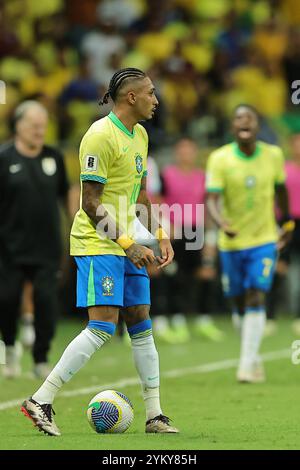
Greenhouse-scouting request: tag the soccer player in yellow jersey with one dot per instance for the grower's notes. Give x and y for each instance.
(247, 175)
(111, 265)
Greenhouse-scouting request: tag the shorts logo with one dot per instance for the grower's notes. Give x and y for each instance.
(91, 163)
(107, 285)
(139, 163)
(250, 182)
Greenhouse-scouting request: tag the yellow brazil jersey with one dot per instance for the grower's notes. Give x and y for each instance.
(115, 157)
(247, 185)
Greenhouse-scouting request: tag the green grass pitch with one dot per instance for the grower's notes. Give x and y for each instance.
(198, 391)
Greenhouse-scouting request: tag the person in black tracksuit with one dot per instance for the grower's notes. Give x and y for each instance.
(33, 181)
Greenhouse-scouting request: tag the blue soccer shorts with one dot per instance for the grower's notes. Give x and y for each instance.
(245, 269)
(111, 280)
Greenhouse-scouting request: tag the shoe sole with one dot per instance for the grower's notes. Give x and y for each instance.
(173, 431)
(27, 414)
(162, 432)
(251, 381)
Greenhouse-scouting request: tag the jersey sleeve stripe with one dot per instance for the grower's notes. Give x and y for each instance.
(99, 179)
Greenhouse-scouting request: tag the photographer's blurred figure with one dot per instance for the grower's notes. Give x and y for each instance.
(33, 181)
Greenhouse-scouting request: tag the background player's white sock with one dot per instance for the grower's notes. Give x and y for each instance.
(237, 320)
(74, 357)
(252, 334)
(147, 364)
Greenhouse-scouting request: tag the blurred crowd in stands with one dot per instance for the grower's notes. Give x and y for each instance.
(204, 56)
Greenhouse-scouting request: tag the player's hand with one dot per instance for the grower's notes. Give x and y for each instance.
(140, 255)
(167, 253)
(225, 226)
(285, 238)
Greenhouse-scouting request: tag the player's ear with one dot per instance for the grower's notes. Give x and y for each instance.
(131, 97)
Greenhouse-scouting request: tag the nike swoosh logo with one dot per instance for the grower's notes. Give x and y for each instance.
(153, 378)
(125, 149)
(15, 168)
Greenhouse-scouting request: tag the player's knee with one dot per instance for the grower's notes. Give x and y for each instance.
(104, 314)
(136, 314)
(255, 298)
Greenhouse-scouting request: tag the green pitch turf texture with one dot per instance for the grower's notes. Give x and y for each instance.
(211, 410)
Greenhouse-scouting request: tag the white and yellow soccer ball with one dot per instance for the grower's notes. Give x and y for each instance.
(110, 412)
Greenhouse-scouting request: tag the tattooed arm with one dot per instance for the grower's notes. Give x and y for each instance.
(148, 219)
(91, 197)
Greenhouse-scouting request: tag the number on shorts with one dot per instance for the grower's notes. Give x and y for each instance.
(268, 263)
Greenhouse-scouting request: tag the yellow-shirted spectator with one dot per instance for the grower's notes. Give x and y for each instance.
(272, 95)
(179, 94)
(249, 77)
(291, 11)
(48, 84)
(156, 45)
(234, 94)
(13, 69)
(216, 9)
(197, 52)
(177, 30)
(271, 41)
(49, 76)
(44, 8)
(137, 59)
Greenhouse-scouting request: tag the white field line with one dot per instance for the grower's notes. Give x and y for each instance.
(127, 382)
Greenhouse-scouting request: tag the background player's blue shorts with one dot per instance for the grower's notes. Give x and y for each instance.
(111, 280)
(245, 269)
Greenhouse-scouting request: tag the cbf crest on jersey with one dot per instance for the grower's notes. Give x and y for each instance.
(138, 163)
(250, 181)
(107, 285)
(49, 166)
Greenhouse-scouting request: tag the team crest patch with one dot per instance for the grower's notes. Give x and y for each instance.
(139, 163)
(250, 182)
(49, 166)
(107, 285)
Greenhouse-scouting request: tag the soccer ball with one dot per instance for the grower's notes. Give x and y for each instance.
(110, 412)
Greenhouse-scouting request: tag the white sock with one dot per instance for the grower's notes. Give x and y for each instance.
(74, 357)
(147, 364)
(237, 321)
(252, 334)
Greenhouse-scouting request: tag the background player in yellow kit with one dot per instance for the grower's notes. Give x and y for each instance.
(111, 266)
(246, 175)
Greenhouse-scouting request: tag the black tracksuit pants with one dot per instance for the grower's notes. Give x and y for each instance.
(44, 279)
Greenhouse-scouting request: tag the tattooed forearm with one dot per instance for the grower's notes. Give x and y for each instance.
(144, 210)
(91, 204)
